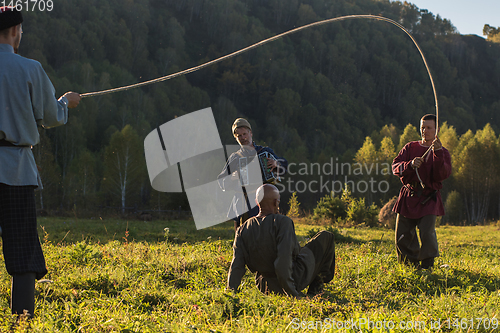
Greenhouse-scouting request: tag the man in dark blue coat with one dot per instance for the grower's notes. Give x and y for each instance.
(242, 206)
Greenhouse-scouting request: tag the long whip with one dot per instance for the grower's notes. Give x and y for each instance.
(268, 40)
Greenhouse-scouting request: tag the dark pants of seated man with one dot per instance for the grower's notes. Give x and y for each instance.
(322, 246)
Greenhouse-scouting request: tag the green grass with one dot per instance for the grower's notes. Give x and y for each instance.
(119, 276)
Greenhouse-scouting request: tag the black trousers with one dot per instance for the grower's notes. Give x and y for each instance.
(407, 245)
(21, 246)
(322, 246)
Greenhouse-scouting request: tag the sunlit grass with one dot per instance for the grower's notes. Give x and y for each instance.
(136, 276)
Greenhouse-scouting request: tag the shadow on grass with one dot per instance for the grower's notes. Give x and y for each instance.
(396, 292)
(440, 281)
(70, 230)
(339, 237)
(476, 246)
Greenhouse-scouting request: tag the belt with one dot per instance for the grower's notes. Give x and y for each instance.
(5, 143)
(414, 188)
(431, 196)
(415, 185)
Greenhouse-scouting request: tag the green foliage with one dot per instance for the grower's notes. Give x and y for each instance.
(83, 253)
(49, 172)
(358, 213)
(330, 207)
(454, 208)
(345, 209)
(387, 150)
(294, 204)
(448, 136)
(410, 133)
(491, 33)
(367, 153)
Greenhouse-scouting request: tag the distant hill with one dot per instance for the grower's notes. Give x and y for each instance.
(319, 92)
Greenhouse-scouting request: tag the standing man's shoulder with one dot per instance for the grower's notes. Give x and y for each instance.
(19, 64)
(261, 149)
(33, 66)
(408, 150)
(411, 144)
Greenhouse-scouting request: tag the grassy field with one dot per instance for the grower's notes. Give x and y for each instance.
(134, 276)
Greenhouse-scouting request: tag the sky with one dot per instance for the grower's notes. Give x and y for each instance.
(468, 16)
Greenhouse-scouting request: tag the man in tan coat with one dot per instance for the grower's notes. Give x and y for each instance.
(268, 246)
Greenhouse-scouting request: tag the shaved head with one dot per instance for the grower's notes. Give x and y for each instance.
(268, 199)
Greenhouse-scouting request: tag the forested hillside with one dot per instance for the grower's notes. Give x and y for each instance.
(312, 96)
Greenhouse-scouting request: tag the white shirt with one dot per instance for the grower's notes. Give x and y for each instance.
(27, 99)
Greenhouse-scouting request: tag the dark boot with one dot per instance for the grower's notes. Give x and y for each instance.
(408, 262)
(316, 287)
(23, 293)
(427, 263)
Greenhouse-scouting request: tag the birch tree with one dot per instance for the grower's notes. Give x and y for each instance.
(81, 180)
(124, 167)
(475, 160)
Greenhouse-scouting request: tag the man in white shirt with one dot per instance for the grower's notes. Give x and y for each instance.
(27, 100)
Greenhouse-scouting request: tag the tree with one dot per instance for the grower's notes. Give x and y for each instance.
(50, 173)
(390, 131)
(410, 133)
(294, 205)
(81, 182)
(306, 15)
(448, 136)
(283, 10)
(124, 167)
(476, 172)
(330, 208)
(366, 161)
(454, 208)
(492, 33)
(367, 153)
(69, 140)
(387, 151)
(286, 105)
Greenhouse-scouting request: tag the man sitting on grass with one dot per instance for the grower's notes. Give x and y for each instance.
(267, 244)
